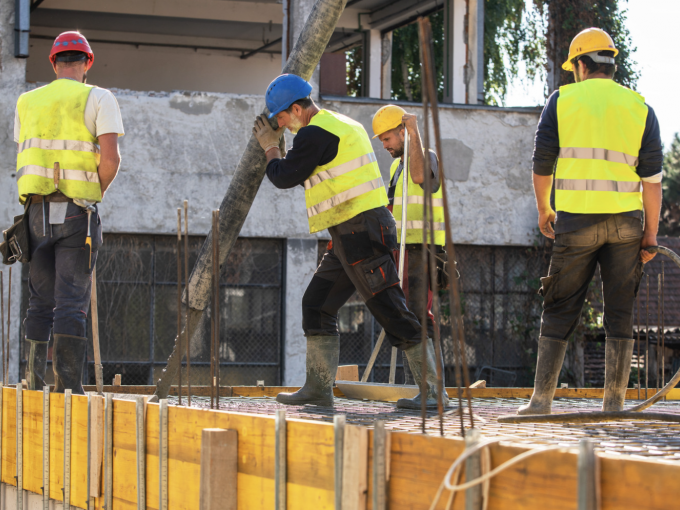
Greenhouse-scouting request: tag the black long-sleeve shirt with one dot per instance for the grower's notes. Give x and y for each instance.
(312, 146)
(547, 149)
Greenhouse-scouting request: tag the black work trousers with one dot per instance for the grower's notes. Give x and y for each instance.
(360, 259)
(615, 244)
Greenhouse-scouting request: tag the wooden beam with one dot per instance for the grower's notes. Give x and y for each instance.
(219, 465)
(355, 468)
(347, 373)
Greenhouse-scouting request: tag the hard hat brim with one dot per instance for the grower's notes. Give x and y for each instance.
(568, 66)
(383, 132)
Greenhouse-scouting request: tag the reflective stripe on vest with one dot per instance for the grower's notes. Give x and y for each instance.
(348, 185)
(600, 126)
(53, 131)
(414, 210)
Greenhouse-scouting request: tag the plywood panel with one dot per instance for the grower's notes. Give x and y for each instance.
(33, 432)
(9, 438)
(57, 446)
(124, 455)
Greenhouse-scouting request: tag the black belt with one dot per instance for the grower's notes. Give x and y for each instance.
(54, 197)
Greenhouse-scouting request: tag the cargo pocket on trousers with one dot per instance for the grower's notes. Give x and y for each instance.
(547, 289)
(380, 274)
(357, 246)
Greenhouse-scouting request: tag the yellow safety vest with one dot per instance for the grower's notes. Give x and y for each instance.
(414, 210)
(348, 185)
(600, 125)
(53, 130)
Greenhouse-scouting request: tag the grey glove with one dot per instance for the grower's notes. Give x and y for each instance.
(264, 133)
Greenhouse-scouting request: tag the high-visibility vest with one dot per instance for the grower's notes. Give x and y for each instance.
(348, 185)
(414, 210)
(600, 125)
(53, 130)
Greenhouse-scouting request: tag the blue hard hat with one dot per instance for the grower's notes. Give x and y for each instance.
(284, 91)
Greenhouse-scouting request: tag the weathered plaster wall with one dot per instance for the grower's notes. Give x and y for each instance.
(12, 83)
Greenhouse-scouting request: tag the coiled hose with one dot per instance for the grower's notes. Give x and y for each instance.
(632, 414)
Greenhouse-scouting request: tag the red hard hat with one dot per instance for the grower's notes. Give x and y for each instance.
(71, 41)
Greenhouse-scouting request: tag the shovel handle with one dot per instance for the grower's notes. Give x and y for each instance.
(98, 369)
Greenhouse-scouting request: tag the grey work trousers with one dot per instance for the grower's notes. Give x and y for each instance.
(360, 259)
(615, 244)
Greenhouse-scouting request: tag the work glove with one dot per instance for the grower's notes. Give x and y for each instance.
(264, 133)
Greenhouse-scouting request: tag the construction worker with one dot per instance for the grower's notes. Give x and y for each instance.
(389, 124)
(603, 143)
(333, 159)
(67, 142)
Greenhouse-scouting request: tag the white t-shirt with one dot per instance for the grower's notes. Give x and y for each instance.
(102, 115)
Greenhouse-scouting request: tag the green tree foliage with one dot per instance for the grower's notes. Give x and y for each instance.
(670, 212)
(355, 62)
(406, 78)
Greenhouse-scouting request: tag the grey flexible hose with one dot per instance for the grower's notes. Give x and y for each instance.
(632, 414)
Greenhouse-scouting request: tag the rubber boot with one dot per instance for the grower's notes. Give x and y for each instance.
(323, 353)
(68, 359)
(37, 365)
(408, 376)
(415, 361)
(617, 358)
(551, 353)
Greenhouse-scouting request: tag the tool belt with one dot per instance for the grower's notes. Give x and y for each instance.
(16, 240)
(54, 197)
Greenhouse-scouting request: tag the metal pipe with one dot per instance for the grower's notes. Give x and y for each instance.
(179, 298)
(454, 295)
(186, 291)
(261, 48)
(647, 343)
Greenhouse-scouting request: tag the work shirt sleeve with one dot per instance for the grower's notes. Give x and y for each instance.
(17, 125)
(650, 159)
(547, 139)
(434, 167)
(102, 113)
(312, 147)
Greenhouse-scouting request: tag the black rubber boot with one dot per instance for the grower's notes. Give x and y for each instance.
(617, 358)
(415, 361)
(408, 376)
(323, 353)
(37, 365)
(68, 359)
(551, 353)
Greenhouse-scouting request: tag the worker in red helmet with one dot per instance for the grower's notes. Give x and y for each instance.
(67, 144)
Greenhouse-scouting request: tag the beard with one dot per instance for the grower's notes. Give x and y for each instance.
(295, 124)
(397, 152)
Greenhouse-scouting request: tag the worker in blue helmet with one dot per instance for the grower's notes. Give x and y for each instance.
(332, 158)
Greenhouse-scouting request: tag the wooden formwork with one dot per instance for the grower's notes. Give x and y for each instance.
(416, 463)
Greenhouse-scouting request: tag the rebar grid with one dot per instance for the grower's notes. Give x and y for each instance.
(649, 440)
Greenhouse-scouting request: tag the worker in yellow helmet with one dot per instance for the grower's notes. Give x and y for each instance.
(67, 142)
(332, 158)
(389, 125)
(602, 143)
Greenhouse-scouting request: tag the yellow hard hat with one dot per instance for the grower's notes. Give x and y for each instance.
(590, 40)
(388, 117)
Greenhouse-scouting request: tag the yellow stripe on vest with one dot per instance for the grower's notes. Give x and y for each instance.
(418, 225)
(597, 185)
(65, 174)
(419, 200)
(345, 196)
(58, 145)
(340, 170)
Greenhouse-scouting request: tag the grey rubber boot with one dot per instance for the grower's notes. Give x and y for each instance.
(551, 353)
(323, 353)
(37, 365)
(415, 361)
(408, 376)
(68, 359)
(617, 358)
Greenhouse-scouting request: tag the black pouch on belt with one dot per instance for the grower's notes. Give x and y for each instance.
(16, 241)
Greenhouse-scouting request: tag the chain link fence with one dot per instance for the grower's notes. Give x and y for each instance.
(501, 310)
(137, 293)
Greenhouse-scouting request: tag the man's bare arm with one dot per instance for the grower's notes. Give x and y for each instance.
(109, 161)
(546, 215)
(415, 149)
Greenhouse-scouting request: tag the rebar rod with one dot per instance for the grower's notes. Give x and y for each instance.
(663, 325)
(179, 298)
(9, 318)
(2, 322)
(186, 291)
(423, 325)
(638, 346)
(454, 295)
(658, 330)
(647, 343)
(212, 316)
(216, 311)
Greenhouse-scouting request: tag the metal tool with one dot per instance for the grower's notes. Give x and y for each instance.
(88, 239)
(402, 254)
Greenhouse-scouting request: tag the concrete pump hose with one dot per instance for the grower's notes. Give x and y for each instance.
(632, 414)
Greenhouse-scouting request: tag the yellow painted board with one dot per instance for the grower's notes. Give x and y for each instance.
(33, 433)
(56, 446)
(124, 455)
(79, 451)
(9, 438)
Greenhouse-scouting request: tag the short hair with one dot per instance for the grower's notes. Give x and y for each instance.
(596, 67)
(304, 103)
(70, 58)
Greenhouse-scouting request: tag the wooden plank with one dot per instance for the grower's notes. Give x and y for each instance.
(347, 373)
(9, 438)
(125, 455)
(355, 468)
(57, 446)
(96, 444)
(219, 463)
(33, 432)
(117, 380)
